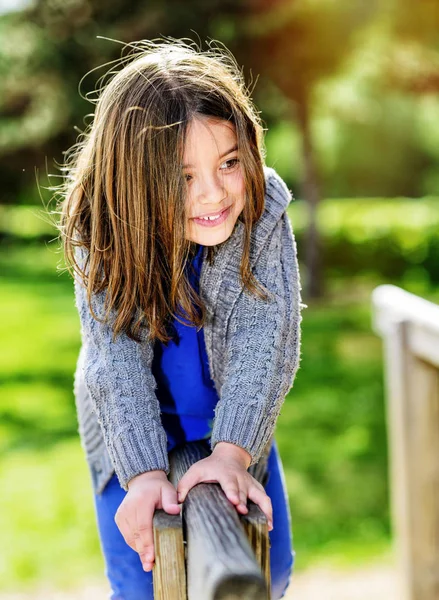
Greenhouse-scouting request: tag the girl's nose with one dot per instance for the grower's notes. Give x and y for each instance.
(211, 191)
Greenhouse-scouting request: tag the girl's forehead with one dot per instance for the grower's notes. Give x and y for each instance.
(213, 125)
(206, 132)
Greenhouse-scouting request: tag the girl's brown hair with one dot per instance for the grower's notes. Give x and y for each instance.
(123, 194)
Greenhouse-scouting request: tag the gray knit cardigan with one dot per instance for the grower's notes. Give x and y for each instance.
(253, 349)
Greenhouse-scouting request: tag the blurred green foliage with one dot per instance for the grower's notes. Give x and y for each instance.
(349, 96)
(331, 431)
(357, 81)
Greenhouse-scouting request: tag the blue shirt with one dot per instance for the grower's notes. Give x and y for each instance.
(185, 389)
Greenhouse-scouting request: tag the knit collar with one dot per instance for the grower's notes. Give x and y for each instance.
(277, 198)
(220, 283)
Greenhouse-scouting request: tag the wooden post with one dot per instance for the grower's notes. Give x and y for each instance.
(409, 326)
(227, 555)
(169, 572)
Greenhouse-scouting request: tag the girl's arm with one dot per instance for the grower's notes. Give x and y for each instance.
(121, 386)
(263, 349)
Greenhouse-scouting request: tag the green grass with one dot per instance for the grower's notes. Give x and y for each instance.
(46, 518)
(46, 504)
(332, 436)
(331, 431)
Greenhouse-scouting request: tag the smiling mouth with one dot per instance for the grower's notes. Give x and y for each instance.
(213, 220)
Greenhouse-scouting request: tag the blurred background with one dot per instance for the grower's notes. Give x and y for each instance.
(349, 93)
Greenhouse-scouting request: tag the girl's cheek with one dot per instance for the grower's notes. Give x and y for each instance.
(238, 182)
(239, 191)
(236, 188)
(190, 207)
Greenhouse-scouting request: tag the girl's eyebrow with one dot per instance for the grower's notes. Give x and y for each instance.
(235, 147)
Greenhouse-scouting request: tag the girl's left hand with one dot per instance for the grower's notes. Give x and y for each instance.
(226, 466)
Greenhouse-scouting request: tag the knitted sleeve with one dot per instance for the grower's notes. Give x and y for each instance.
(122, 387)
(263, 349)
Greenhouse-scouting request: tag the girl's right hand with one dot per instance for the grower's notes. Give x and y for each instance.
(146, 492)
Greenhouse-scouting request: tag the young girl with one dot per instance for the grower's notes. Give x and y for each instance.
(188, 291)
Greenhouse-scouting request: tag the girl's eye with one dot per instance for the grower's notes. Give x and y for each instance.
(235, 161)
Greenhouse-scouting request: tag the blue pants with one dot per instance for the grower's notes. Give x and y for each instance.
(123, 567)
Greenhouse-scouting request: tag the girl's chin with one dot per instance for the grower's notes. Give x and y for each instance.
(209, 238)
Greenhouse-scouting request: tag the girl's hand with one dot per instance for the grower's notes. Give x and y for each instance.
(134, 517)
(228, 465)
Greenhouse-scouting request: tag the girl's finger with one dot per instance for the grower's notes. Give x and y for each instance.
(143, 534)
(243, 502)
(147, 562)
(264, 503)
(187, 482)
(258, 485)
(231, 490)
(170, 501)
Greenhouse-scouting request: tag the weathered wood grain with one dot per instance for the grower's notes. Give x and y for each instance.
(169, 572)
(256, 528)
(221, 563)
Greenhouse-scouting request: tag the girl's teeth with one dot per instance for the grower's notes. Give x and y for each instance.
(210, 218)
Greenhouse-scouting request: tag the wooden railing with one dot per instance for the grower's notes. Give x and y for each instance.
(210, 551)
(409, 326)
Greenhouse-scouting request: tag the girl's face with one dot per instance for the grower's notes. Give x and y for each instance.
(215, 182)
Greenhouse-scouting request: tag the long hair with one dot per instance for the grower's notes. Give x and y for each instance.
(123, 195)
